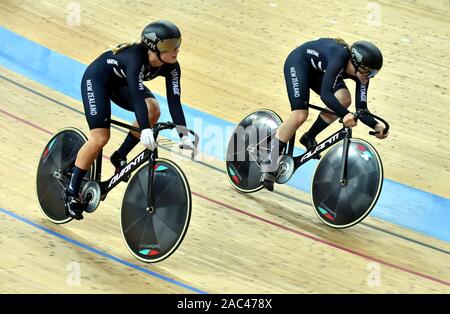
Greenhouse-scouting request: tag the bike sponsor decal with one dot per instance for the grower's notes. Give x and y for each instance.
(234, 176)
(49, 148)
(320, 147)
(149, 249)
(160, 168)
(126, 169)
(328, 214)
(149, 252)
(366, 156)
(361, 148)
(363, 152)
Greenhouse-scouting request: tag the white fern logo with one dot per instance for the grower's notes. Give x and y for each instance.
(318, 66)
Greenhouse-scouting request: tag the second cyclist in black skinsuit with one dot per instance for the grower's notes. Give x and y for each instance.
(322, 65)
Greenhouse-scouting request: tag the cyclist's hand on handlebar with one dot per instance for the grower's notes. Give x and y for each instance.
(349, 120)
(379, 129)
(147, 139)
(186, 143)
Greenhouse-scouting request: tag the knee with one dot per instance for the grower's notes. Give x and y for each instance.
(298, 117)
(343, 95)
(153, 109)
(154, 113)
(100, 140)
(346, 102)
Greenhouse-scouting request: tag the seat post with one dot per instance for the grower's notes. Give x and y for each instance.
(291, 144)
(98, 168)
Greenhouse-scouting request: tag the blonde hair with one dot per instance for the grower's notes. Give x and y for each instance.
(342, 42)
(120, 47)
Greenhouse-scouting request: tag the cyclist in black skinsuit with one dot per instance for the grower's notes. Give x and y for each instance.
(118, 75)
(322, 65)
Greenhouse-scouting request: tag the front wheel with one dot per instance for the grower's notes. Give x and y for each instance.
(342, 206)
(154, 236)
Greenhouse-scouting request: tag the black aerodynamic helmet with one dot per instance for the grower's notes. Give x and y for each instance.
(161, 36)
(366, 57)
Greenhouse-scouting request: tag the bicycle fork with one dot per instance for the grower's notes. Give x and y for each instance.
(344, 179)
(151, 172)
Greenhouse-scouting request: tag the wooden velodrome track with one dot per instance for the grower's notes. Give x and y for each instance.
(232, 57)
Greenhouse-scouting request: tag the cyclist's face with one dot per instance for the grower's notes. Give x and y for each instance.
(366, 73)
(363, 78)
(170, 57)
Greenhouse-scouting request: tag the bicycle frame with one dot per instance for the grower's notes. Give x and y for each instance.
(144, 156)
(344, 134)
(134, 164)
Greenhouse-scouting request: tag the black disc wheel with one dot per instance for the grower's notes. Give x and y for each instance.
(250, 144)
(341, 205)
(153, 235)
(54, 167)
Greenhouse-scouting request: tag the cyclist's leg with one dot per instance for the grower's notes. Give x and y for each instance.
(342, 94)
(284, 133)
(154, 113)
(97, 107)
(297, 84)
(122, 97)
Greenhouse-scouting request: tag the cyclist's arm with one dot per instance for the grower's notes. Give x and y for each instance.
(334, 70)
(173, 92)
(361, 103)
(135, 79)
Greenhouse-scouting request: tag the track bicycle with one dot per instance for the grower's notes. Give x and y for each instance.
(156, 206)
(347, 180)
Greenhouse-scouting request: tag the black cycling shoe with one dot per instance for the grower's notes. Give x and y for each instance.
(73, 206)
(268, 175)
(268, 180)
(309, 142)
(119, 163)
